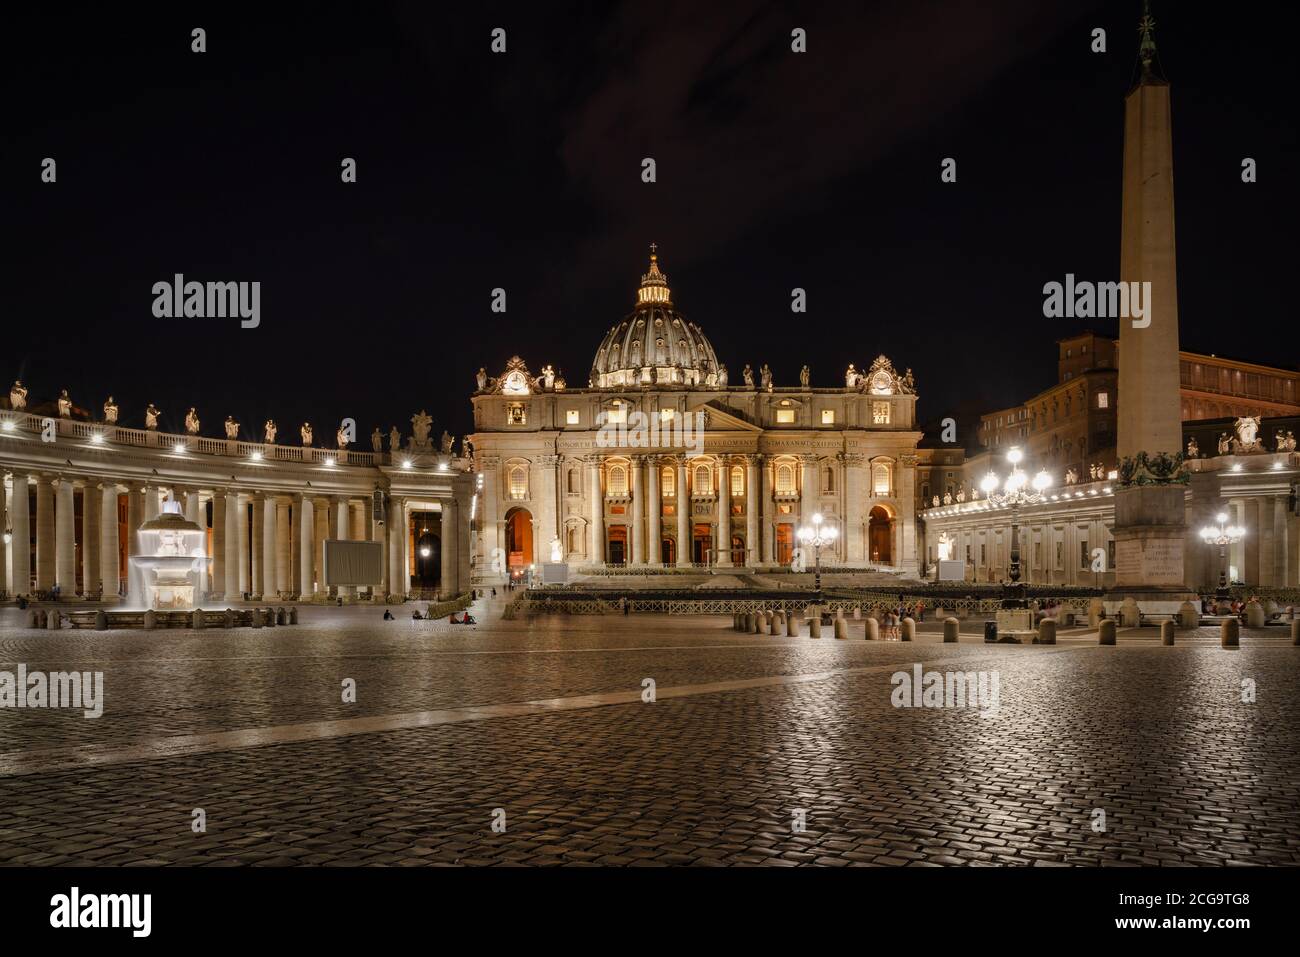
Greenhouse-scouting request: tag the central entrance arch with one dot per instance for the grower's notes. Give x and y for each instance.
(519, 540)
(880, 536)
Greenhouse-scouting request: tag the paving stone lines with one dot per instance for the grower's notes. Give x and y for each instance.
(1156, 737)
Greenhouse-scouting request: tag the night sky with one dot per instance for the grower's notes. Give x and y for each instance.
(522, 171)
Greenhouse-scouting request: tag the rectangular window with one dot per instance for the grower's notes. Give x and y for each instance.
(737, 481)
(983, 554)
(828, 416)
(516, 414)
(617, 414)
(880, 413)
(1085, 559)
(784, 416)
(1103, 400)
(1060, 556)
(571, 417)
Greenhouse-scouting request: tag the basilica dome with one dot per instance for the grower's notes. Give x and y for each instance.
(655, 344)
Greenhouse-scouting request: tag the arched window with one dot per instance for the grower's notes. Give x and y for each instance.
(617, 480)
(703, 480)
(880, 479)
(668, 482)
(785, 480)
(575, 482)
(518, 481)
(737, 480)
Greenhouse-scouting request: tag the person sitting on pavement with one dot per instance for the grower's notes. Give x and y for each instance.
(388, 615)
(416, 616)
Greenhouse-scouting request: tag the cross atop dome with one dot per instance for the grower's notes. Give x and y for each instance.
(654, 284)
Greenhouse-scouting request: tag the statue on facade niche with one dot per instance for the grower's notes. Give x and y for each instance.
(421, 422)
(269, 428)
(851, 377)
(805, 376)
(1193, 450)
(394, 440)
(447, 440)
(110, 411)
(466, 448)
(65, 404)
(341, 437)
(961, 494)
(18, 395)
(232, 428)
(151, 414)
(377, 440)
(765, 377)
(945, 547)
(1225, 444)
(305, 432)
(1285, 441)
(548, 377)
(192, 421)
(1071, 476)
(1247, 428)
(908, 384)
(722, 375)
(482, 379)
(947, 498)
(748, 375)
(936, 501)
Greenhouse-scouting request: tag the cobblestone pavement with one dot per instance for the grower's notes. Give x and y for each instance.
(747, 732)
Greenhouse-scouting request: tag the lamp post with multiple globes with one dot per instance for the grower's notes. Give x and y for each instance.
(1222, 535)
(818, 535)
(1017, 491)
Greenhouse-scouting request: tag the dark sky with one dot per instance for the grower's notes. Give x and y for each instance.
(522, 171)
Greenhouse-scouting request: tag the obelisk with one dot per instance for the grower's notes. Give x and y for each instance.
(1150, 516)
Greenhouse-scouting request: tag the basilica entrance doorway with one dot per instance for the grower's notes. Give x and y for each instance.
(618, 544)
(668, 552)
(880, 536)
(737, 551)
(784, 543)
(702, 545)
(519, 539)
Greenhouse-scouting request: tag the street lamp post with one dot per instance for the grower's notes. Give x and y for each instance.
(818, 535)
(1222, 535)
(1017, 491)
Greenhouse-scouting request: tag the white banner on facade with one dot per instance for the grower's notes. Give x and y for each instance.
(353, 563)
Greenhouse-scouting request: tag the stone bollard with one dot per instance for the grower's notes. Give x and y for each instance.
(1095, 610)
(1130, 616)
(792, 628)
(36, 619)
(1106, 632)
(228, 619)
(280, 617)
(197, 620)
(1047, 631)
(255, 616)
(1230, 633)
(873, 629)
(841, 627)
(772, 627)
(1255, 616)
(52, 620)
(1295, 631)
(908, 631)
(815, 626)
(735, 621)
(756, 623)
(293, 615)
(270, 618)
(150, 619)
(951, 627)
(857, 612)
(101, 620)
(1166, 633)
(1189, 616)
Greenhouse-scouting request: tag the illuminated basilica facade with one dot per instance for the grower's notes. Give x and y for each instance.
(662, 461)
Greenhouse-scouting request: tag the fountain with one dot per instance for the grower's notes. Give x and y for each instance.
(170, 570)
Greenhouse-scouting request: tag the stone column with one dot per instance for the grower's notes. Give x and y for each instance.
(397, 585)
(284, 580)
(654, 513)
(766, 530)
(90, 499)
(45, 566)
(242, 527)
(447, 581)
(377, 531)
(269, 585)
(65, 545)
(723, 554)
(307, 537)
(151, 507)
(855, 519)
(808, 491)
(109, 547)
(753, 554)
(257, 501)
(910, 562)
(1267, 541)
(683, 513)
(597, 511)
(193, 507)
(1280, 545)
(638, 511)
(134, 518)
(21, 549)
(295, 543)
(218, 542)
(343, 527)
(5, 586)
(320, 532)
(233, 559)
(547, 524)
(1250, 511)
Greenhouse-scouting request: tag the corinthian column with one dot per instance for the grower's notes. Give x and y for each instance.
(89, 539)
(752, 544)
(109, 546)
(654, 505)
(233, 560)
(20, 521)
(638, 512)
(343, 528)
(597, 511)
(307, 530)
(45, 566)
(284, 579)
(683, 514)
(724, 516)
(65, 546)
(218, 541)
(397, 582)
(270, 553)
(4, 549)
